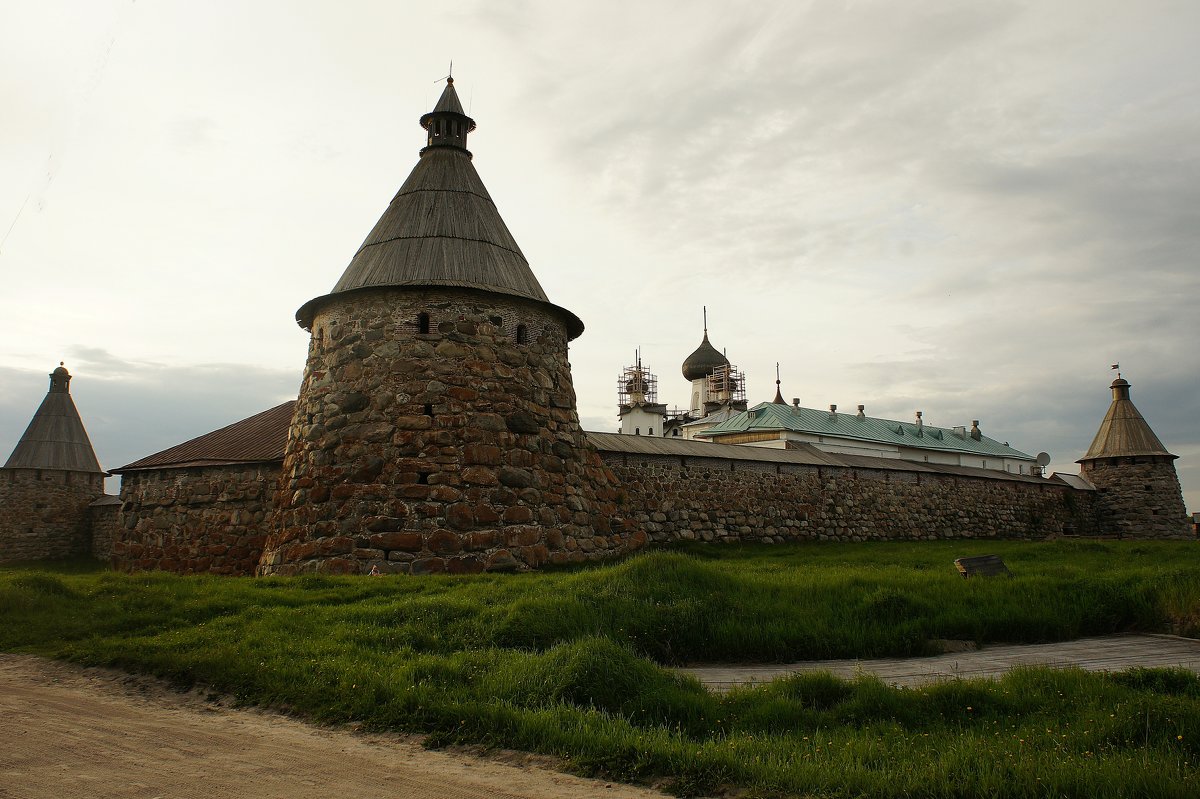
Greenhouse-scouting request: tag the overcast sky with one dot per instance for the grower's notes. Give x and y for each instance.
(970, 209)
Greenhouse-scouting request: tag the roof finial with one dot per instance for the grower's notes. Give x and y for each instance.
(705, 307)
(1117, 367)
(778, 394)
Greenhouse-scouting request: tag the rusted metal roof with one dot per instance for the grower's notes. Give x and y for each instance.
(55, 438)
(441, 229)
(257, 439)
(1124, 432)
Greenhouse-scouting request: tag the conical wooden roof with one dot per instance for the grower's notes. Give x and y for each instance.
(442, 228)
(1124, 432)
(55, 438)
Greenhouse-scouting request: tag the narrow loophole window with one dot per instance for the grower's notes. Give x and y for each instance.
(423, 478)
(428, 409)
(522, 334)
(423, 323)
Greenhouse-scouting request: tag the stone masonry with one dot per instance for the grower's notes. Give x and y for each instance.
(210, 519)
(457, 449)
(1140, 496)
(713, 499)
(44, 513)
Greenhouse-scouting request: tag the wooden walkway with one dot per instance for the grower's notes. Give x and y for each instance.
(1108, 653)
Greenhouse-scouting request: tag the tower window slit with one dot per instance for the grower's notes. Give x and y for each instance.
(522, 334)
(429, 409)
(423, 323)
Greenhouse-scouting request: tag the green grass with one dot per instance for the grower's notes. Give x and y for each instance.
(571, 663)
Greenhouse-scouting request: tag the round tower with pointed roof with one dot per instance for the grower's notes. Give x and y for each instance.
(1135, 475)
(436, 427)
(49, 481)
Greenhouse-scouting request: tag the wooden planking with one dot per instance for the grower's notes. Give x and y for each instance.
(55, 439)
(1124, 433)
(442, 229)
(981, 566)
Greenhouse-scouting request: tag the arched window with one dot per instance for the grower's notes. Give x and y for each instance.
(637, 431)
(522, 334)
(423, 323)
(649, 431)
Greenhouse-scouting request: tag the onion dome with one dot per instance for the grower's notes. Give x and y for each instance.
(442, 228)
(703, 361)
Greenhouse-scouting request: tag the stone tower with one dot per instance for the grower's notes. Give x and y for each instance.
(436, 427)
(49, 481)
(1139, 490)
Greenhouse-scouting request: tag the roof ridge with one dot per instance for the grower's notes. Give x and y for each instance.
(442, 236)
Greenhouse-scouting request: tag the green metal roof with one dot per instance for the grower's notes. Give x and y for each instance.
(768, 416)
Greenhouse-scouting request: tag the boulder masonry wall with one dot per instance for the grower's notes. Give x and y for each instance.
(715, 499)
(208, 519)
(436, 431)
(44, 513)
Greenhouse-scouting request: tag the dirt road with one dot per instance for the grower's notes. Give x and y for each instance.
(71, 732)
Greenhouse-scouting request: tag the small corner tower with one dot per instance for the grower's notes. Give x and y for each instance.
(436, 427)
(638, 407)
(49, 481)
(1140, 496)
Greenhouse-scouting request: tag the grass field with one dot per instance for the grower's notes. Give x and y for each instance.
(571, 663)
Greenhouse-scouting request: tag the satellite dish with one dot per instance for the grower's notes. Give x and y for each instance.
(1043, 458)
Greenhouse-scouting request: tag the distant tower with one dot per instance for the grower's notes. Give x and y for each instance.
(716, 383)
(436, 427)
(1139, 489)
(637, 402)
(48, 482)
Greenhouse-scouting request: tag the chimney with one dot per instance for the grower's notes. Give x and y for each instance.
(975, 434)
(920, 424)
(960, 431)
(862, 412)
(833, 413)
(796, 403)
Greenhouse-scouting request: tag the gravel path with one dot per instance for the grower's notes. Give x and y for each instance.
(1107, 653)
(70, 732)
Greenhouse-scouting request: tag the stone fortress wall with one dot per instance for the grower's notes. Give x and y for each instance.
(45, 514)
(168, 525)
(721, 499)
(204, 519)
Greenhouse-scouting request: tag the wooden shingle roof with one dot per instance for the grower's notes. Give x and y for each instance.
(1124, 433)
(257, 439)
(442, 229)
(55, 438)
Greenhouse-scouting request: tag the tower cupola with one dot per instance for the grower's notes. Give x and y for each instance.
(447, 125)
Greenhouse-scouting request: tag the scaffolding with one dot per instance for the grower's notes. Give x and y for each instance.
(726, 384)
(637, 386)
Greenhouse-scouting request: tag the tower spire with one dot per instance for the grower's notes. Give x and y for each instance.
(778, 394)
